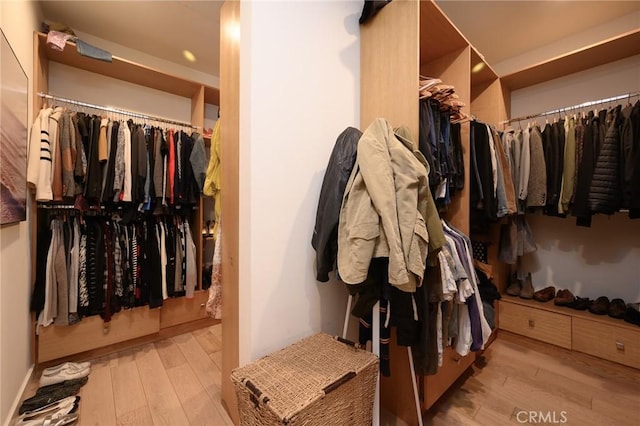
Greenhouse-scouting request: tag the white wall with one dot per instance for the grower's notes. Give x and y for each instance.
(18, 21)
(603, 260)
(299, 88)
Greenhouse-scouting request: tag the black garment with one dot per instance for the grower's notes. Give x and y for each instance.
(605, 195)
(370, 8)
(93, 186)
(483, 158)
(107, 190)
(457, 172)
(170, 249)
(43, 241)
(141, 175)
(152, 267)
(632, 139)
(585, 173)
(553, 138)
(427, 142)
(95, 267)
(325, 232)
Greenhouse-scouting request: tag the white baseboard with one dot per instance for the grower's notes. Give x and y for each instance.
(16, 402)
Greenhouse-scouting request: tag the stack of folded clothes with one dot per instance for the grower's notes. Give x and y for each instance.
(445, 94)
(55, 403)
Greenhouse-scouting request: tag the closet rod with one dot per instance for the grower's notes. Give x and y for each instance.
(117, 110)
(573, 107)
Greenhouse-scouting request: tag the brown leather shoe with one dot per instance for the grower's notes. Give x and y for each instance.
(617, 308)
(527, 288)
(600, 306)
(545, 294)
(563, 298)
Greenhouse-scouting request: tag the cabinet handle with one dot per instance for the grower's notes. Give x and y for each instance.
(202, 305)
(619, 345)
(532, 323)
(456, 360)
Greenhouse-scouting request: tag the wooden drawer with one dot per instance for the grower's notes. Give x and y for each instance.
(550, 327)
(453, 365)
(90, 333)
(613, 342)
(180, 310)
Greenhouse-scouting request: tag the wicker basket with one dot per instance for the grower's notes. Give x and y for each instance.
(320, 380)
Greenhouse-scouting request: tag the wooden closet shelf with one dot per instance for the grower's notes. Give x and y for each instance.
(612, 49)
(123, 69)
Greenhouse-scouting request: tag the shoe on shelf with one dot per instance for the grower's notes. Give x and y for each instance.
(515, 287)
(632, 316)
(527, 288)
(600, 306)
(545, 294)
(580, 303)
(617, 308)
(564, 298)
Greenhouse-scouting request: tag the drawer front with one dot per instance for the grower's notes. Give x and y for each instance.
(180, 309)
(453, 365)
(616, 344)
(59, 341)
(538, 324)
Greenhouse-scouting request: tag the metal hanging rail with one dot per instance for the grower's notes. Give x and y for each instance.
(116, 110)
(572, 108)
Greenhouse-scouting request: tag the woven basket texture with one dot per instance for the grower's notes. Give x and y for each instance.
(291, 385)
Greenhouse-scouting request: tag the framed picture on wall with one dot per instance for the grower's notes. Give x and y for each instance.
(13, 137)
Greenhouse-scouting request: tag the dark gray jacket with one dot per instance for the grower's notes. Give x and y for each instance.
(325, 233)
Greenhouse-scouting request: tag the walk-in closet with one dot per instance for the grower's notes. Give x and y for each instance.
(225, 198)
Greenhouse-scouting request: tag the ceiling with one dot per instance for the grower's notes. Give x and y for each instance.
(511, 28)
(165, 28)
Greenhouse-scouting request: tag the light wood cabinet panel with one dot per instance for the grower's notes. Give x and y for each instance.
(612, 342)
(180, 309)
(453, 365)
(550, 327)
(90, 333)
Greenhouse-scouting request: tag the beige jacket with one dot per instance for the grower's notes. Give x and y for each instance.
(381, 210)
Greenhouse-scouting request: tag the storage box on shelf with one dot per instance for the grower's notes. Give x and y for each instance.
(61, 341)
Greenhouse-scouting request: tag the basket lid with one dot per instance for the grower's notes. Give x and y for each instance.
(292, 378)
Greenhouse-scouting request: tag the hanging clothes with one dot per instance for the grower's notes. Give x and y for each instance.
(214, 301)
(212, 183)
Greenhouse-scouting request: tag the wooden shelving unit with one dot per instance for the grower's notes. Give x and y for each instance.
(430, 45)
(609, 50)
(56, 342)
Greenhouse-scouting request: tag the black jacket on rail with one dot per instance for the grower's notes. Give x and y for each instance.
(325, 232)
(605, 195)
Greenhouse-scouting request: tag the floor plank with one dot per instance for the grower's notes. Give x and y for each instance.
(127, 387)
(198, 407)
(206, 371)
(209, 342)
(162, 400)
(138, 417)
(97, 406)
(170, 354)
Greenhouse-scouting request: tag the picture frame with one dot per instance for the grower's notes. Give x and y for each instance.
(14, 95)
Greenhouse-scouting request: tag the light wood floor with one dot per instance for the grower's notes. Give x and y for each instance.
(176, 382)
(171, 382)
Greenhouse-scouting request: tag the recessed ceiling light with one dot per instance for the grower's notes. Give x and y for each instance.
(478, 67)
(188, 55)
